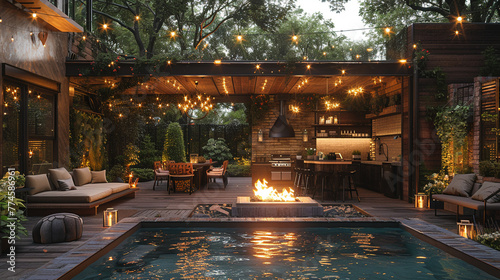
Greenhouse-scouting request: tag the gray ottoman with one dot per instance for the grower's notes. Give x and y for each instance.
(60, 227)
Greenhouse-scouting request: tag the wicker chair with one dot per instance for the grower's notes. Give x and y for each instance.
(161, 173)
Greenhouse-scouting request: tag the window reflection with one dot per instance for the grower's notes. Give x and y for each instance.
(10, 126)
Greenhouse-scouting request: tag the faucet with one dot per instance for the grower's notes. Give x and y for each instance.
(381, 150)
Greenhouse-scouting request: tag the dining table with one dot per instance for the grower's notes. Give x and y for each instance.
(201, 168)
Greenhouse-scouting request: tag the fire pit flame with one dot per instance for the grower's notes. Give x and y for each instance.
(264, 193)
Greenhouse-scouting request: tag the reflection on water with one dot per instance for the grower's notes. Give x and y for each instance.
(337, 253)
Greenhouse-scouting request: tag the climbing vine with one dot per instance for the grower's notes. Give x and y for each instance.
(87, 140)
(452, 127)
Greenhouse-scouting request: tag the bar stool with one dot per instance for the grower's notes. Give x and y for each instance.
(306, 176)
(349, 176)
(322, 177)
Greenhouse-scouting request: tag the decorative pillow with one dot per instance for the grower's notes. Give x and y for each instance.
(99, 177)
(58, 174)
(82, 176)
(37, 183)
(66, 185)
(461, 185)
(486, 190)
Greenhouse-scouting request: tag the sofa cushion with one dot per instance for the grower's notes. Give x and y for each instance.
(82, 176)
(461, 185)
(80, 195)
(114, 187)
(37, 183)
(66, 185)
(58, 174)
(486, 190)
(99, 177)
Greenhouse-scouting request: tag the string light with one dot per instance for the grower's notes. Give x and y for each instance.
(456, 32)
(239, 38)
(173, 34)
(137, 17)
(105, 26)
(460, 19)
(388, 30)
(355, 91)
(12, 39)
(34, 15)
(0, 20)
(295, 38)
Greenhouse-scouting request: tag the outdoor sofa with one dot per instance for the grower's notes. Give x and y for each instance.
(465, 191)
(80, 192)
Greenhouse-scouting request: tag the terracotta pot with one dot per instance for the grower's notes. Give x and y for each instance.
(311, 157)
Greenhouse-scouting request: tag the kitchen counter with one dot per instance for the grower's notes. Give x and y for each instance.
(327, 162)
(379, 162)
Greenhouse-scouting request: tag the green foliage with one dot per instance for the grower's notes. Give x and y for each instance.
(259, 106)
(148, 154)
(491, 65)
(87, 141)
(356, 152)
(173, 148)
(236, 170)
(217, 150)
(131, 155)
(118, 171)
(452, 127)
(11, 207)
(437, 182)
(490, 239)
(489, 168)
(310, 151)
(17, 177)
(144, 174)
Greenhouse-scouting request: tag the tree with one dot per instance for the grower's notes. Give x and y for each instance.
(217, 150)
(473, 10)
(187, 23)
(173, 148)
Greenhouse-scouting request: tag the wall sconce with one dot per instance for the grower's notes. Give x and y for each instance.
(421, 200)
(110, 217)
(260, 136)
(305, 137)
(465, 229)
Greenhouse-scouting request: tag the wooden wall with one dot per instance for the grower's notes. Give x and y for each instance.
(460, 57)
(30, 55)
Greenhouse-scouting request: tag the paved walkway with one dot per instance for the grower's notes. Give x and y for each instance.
(158, 203)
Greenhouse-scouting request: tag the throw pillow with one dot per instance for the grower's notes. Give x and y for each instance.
(461, 185)
(99, 177)
(486, 190)
(65, 185)
(82, 176)
(37, 183)
(58, 174)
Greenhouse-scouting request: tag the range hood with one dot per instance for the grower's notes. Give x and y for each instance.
(281, 128)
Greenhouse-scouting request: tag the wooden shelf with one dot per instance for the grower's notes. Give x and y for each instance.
(388, 111)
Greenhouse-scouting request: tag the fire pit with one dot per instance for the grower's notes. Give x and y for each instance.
(268, 202)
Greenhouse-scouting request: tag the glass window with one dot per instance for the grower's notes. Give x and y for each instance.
(10, 126)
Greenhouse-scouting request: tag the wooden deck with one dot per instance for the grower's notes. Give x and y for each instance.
(158, 203)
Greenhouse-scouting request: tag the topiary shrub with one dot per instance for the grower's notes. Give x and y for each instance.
(217, 150)
(148, 154)
(236, 170)
(489, 168)
(173, 149)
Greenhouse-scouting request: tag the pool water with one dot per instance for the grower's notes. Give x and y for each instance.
(279, 253)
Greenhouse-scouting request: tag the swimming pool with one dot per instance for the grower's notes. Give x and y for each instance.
(301, 253)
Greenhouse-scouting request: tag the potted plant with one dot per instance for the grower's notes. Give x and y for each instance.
(299, 155)
(356, 155)
(310, 153)
(11, 209)
(437, 183)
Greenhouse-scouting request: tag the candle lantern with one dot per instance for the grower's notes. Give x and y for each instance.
(193, 158)
(110, 217)
(305, 137)
(335, 120)
(260, 136)
(421, 200)
(465, 229)
(134, 185)
(130, 177)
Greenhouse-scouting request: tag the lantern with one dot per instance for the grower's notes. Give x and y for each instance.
(421, 200)
(260, 136)
(110, 217)
(465, 229)
(305, 137)
(193, 158)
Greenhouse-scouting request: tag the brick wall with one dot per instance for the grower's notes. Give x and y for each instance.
(269, 146)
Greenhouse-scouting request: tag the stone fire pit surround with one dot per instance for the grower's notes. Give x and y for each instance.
(304, 207)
